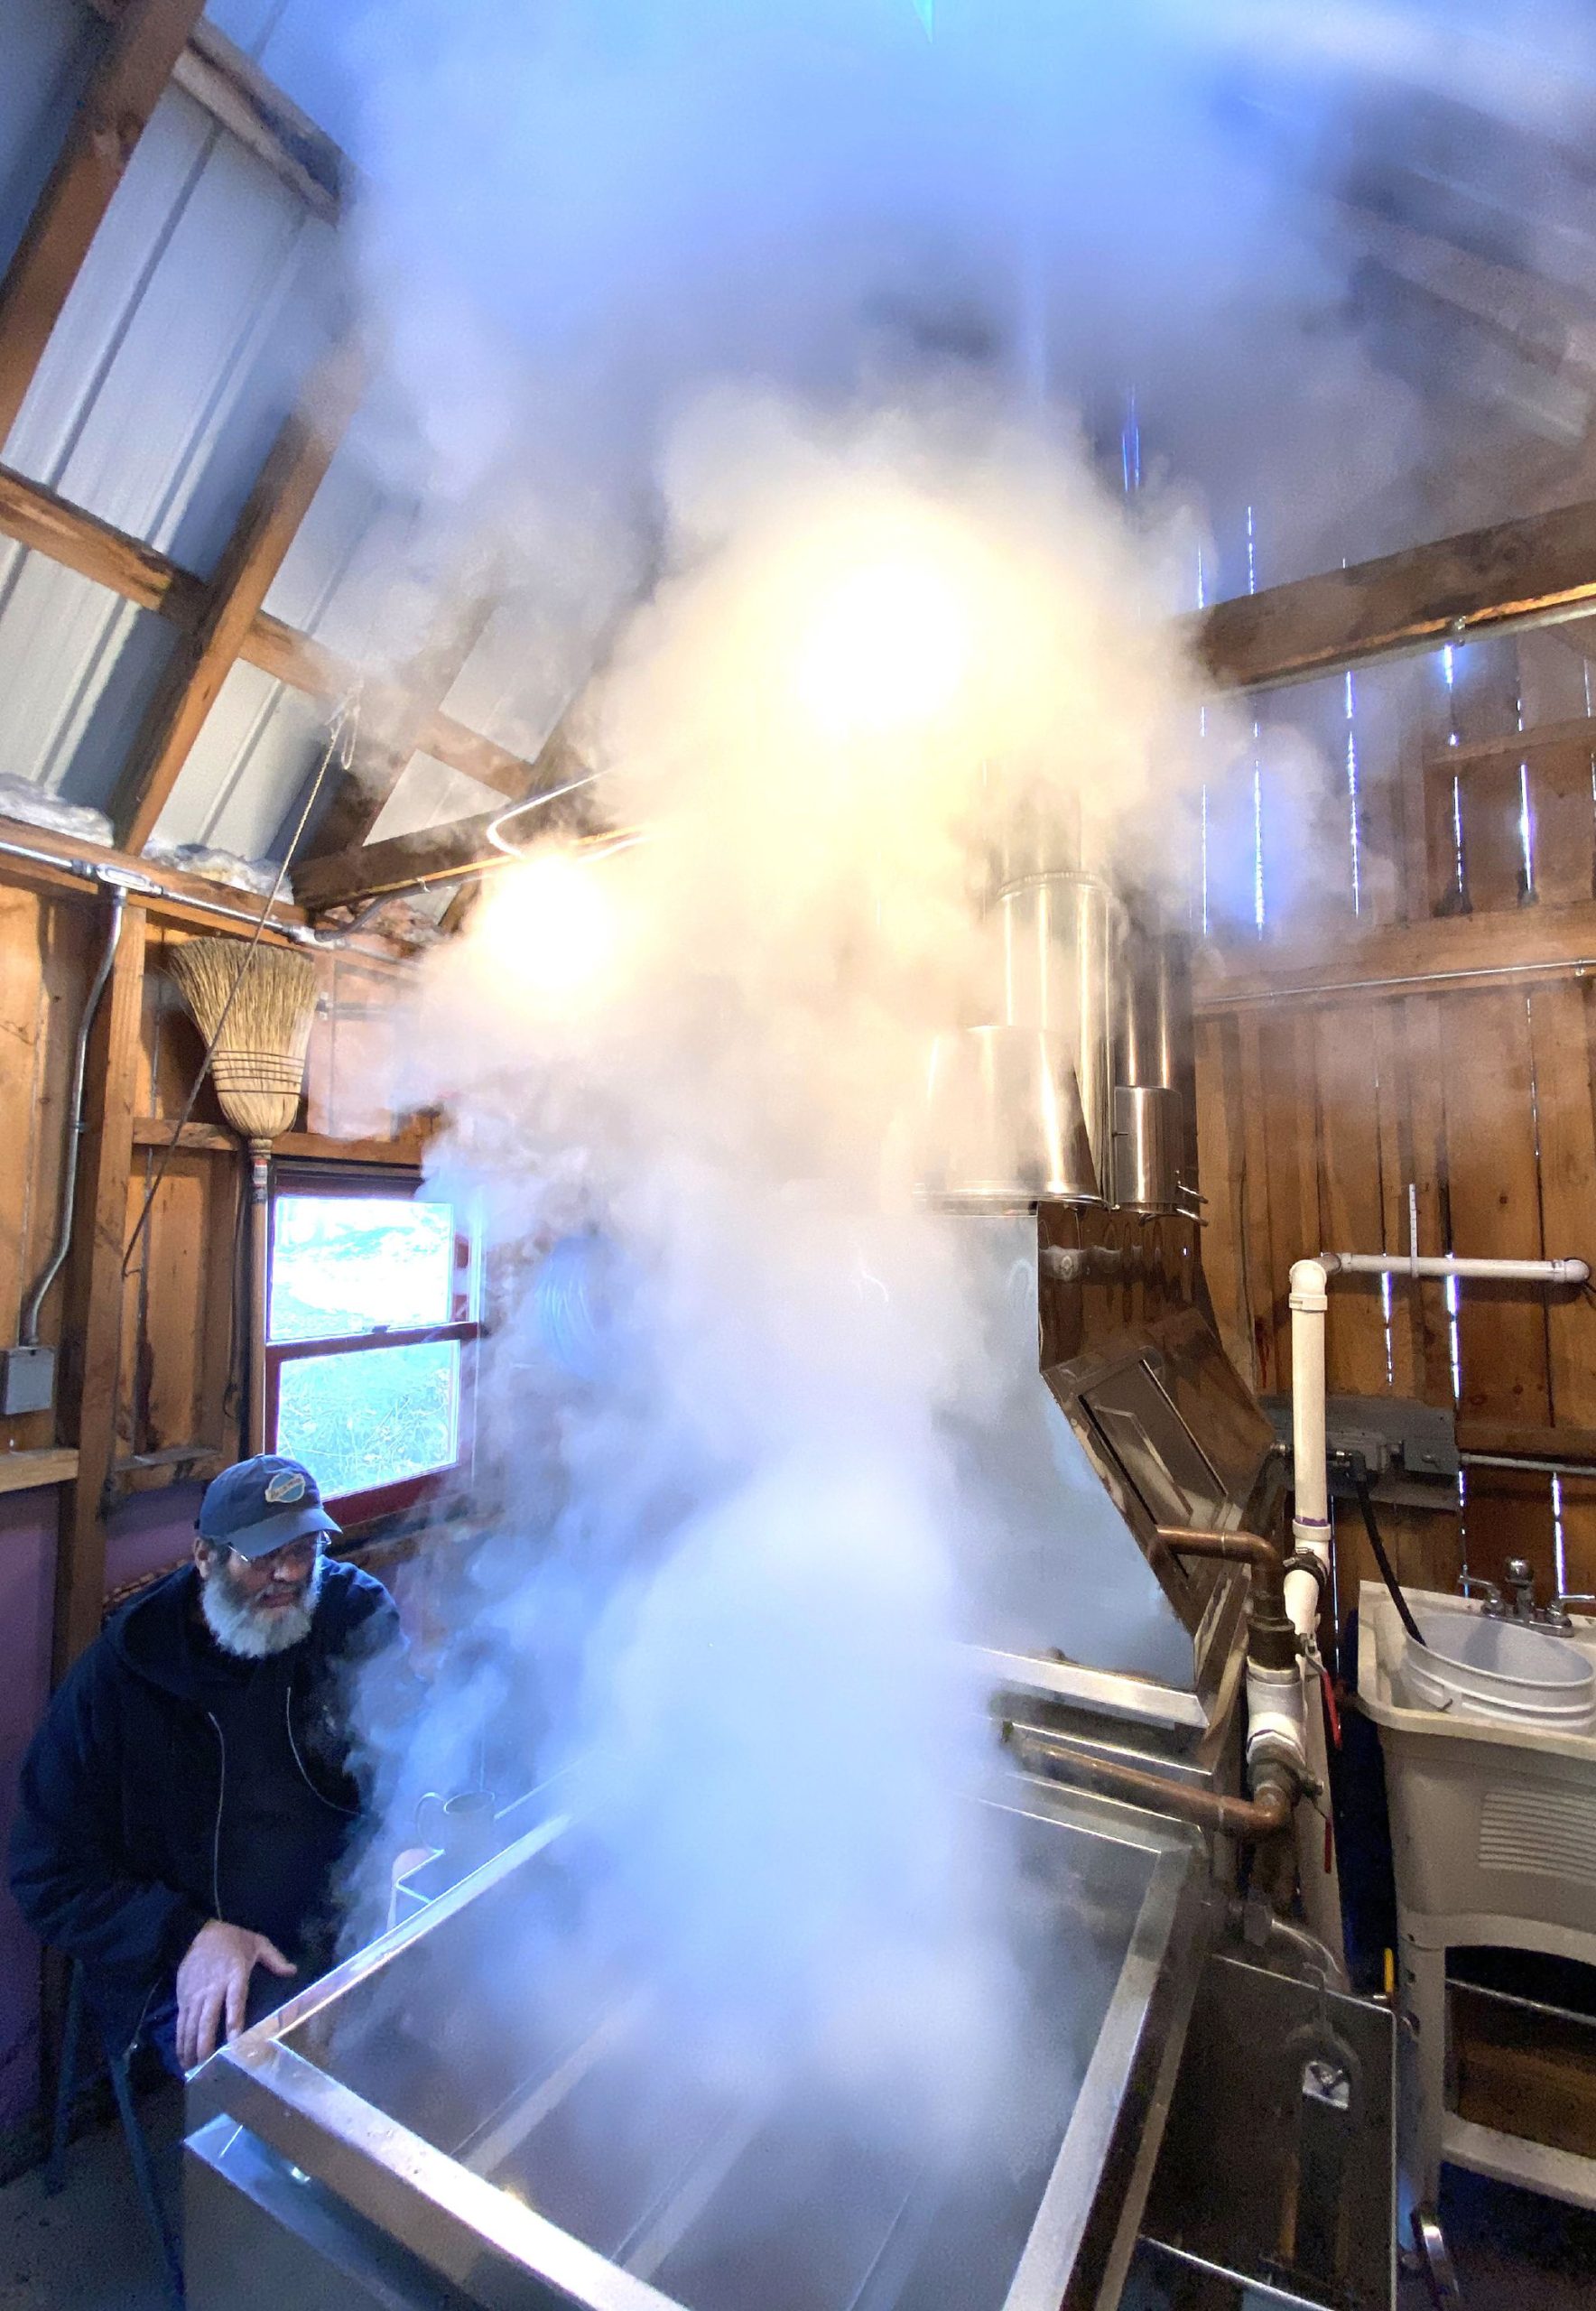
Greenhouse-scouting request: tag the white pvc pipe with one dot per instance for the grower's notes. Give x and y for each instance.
(1310, 1465)
(1485, 1271)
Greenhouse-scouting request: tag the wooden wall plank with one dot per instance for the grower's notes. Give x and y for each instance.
(1579, 1535)
(1347, 1070)
(1292, 1123)
(1494, 1198)
(1220, 1141)
(1253, 1189)
(1561, 1021)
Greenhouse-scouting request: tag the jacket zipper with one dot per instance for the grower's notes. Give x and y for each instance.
(216, 1844)
(352, 1810)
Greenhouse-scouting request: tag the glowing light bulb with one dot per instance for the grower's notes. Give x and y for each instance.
(550, 925)
(887, 650)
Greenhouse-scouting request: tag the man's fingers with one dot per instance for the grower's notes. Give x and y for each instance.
(237, 1998)
(270, 1956)
(210, 2015)
(185, 2037)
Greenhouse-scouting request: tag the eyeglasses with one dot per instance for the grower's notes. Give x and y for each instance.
(294, 1556)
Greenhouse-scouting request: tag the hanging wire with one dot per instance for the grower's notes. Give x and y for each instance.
(342, 734)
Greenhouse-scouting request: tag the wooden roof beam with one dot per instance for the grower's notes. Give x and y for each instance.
(115, 110)
(40, 519)
(202, 659)
(230, 85)
(1535, 572)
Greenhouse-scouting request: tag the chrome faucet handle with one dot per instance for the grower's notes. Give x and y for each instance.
(1468, 1581)
(1518, 1582)
(1556, 1613)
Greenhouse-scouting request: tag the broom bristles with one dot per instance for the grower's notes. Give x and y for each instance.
(259, 1063)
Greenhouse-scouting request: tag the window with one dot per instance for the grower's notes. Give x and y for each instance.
(371, 1314)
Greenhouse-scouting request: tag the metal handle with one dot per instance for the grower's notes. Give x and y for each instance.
(1468, 1581)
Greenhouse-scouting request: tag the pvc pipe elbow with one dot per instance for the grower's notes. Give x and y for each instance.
(1309, 1279)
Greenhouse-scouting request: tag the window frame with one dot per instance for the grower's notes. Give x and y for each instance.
(340, 1184)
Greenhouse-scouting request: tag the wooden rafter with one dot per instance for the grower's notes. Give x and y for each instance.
(371, 869)
(230, 85)
(1518, 574)
(123, 92)
(201, 661)
(40, 519)
(169, 892)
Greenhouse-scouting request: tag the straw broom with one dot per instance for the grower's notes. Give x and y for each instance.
(255, 1006)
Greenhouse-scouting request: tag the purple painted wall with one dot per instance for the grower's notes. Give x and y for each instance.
(144, 1536)
(27, 1596)
(148, 1533)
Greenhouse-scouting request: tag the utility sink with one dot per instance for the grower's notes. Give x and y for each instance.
(1506, 1671)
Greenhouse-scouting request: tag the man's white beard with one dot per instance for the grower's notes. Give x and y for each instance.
(242, 1625)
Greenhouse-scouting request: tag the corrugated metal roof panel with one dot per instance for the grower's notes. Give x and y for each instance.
(78, 665)
(245, 776)
(343, 578)
(200, 304)
(50, 49)
(302, 45)
(430, 794)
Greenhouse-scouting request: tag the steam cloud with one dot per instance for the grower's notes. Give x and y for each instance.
(778, 305)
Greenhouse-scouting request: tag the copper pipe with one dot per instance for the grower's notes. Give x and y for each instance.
(1271, 1642)
(1249, 1819)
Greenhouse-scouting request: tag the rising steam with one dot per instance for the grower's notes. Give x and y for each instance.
(724, 1580)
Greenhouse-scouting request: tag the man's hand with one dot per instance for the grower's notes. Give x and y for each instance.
(213, 1986)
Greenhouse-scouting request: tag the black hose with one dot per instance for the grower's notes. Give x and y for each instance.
(1384, 1562)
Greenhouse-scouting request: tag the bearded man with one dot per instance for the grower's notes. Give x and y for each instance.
(188, 1802)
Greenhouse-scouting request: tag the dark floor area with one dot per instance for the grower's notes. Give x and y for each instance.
(89, 2250)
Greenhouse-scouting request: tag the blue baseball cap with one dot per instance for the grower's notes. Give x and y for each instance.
(260, 1504)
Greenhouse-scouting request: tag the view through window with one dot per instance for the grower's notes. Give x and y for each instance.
(371, 1312)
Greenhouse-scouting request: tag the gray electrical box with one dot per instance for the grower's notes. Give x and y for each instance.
(27, 1379)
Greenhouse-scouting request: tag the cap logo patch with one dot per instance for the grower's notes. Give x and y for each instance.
(287, 1486)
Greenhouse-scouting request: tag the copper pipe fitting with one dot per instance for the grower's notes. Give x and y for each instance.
(1271, 1641)
(1249, 1820)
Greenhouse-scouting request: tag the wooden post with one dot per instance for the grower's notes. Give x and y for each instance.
(89, 1386)
(112, 116)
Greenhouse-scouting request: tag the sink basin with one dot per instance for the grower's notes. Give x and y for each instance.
(1500, 1670)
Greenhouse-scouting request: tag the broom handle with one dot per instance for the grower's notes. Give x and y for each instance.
(259, 1224)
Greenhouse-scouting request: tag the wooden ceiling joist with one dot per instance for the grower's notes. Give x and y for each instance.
(38, 518)
(122, 91)
(200, 661)
(404, 861)
(366, 871)
(1518, 574)
(173, 894)
(230, 85)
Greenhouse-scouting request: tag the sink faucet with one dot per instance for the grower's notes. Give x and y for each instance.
(1513, 1600)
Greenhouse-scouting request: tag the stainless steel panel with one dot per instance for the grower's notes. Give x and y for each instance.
(421, 2087)
(1278, 2166)
(1060, 933)
(260, 2235)
(1150, 1139)
(1003, 1125)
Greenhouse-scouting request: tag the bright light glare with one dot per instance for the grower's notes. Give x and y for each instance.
(887, 650)
(550, 925)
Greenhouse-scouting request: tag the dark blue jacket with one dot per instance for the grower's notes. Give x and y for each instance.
(118, 1826)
